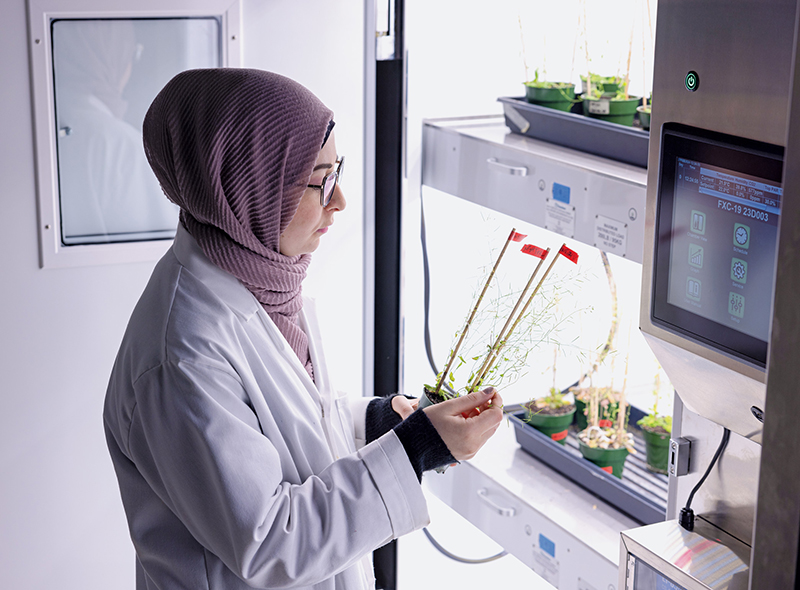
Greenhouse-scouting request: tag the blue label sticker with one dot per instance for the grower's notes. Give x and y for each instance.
(546, 544)
(561, 193)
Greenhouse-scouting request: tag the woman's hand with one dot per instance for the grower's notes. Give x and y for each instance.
(466, 423)
(403, 406)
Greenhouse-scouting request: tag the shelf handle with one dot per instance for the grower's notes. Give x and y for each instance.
(483, 494)
(507, 168)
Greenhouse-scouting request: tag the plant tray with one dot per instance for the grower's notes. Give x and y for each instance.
(577, 131)
(640, 494)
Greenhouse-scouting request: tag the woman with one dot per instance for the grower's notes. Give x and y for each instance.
(238, 465)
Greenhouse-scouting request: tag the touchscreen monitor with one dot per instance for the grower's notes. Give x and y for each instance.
(718, 210)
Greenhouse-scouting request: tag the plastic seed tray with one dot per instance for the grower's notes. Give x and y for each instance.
(641, 494)
(577, 131)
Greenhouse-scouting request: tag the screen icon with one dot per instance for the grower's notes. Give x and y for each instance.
(741, 235)
(736, 305)
(698, 222)
(739, 270)
(693, 289)
(696, 256)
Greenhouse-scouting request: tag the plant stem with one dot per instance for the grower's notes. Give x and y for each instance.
(630, 52)
(612, 332)
(622, 404)
(588, 89)
(502, 339)
(522, 43)
(454, 352)
(501, 336)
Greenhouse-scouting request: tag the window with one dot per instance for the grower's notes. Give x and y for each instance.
(95, 76)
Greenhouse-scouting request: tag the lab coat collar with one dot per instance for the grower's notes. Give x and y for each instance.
(220, 282)
(242, 302)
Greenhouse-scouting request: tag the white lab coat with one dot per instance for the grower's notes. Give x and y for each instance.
(235, 469)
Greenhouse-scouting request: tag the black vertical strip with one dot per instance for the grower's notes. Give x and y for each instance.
(388, 162)
(388, 177)
(389, 80)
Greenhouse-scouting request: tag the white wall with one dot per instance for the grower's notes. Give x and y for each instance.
(61, 519)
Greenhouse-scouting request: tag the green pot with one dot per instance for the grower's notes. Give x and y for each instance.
(644, 116)
(621, 112)
(560, 98)
(581, 421)
(657, 445)
(605, 88)
(556, 427)
(609, 460)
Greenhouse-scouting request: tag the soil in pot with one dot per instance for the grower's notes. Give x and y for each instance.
(656, 442)
(555, 95)
(553, 422)
(609, 460)
(620, 111)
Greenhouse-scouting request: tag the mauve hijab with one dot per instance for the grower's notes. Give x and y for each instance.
(235, 149)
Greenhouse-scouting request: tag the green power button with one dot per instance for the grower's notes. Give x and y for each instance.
(692, 81)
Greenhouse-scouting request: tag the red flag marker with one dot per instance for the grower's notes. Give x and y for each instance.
(570, 254)
(515, 237)
(535, 251)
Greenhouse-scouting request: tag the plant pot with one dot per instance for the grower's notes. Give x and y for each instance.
(609, 460)
(556, 426)
(644, 116)
(606, 412)
(621, 112)
(657, 445)
(428, 398)
(581, 420)
(605, 88)
(560, 97)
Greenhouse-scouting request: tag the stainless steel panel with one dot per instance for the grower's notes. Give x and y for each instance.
(703, 559)
(726, 43)
(742, 52)
(775, 543)
(728, 496)
(711, 389)
(482, 162)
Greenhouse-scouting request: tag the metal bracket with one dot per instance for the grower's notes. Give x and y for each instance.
(679, 454)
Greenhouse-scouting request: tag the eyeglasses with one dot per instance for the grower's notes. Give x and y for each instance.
(329, 183)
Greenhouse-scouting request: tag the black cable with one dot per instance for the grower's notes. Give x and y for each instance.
(427, 294)
(686, 518)
(461, 559)
(427, 301)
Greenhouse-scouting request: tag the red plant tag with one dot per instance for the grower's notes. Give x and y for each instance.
(571, 254)
(515, 237)
(604, 423)
(608, 469)
(557, 436)
(534, 251)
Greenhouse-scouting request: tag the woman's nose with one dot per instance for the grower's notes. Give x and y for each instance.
(338, 202)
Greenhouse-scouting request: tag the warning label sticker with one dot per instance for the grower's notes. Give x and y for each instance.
(559, 217)
(545, 565)
(610, 235)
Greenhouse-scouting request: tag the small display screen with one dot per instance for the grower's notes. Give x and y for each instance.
(718, 210)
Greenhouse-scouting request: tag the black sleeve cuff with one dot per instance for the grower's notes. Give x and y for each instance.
(425, 448)
(381, 418)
